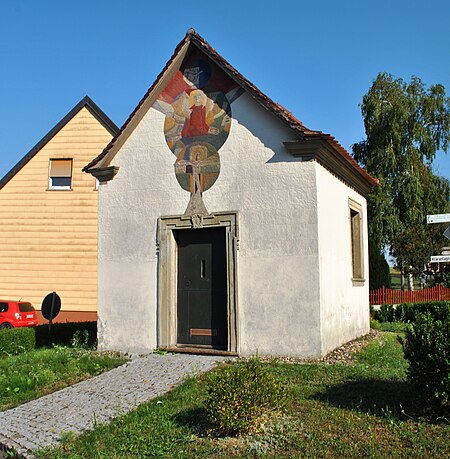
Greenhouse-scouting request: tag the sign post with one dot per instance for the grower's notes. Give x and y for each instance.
(50, 308)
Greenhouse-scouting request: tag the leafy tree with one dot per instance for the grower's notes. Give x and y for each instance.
(406, 124)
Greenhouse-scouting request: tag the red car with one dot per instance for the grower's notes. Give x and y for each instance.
(17, 314)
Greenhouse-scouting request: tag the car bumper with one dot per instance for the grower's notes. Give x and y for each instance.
(26, 323)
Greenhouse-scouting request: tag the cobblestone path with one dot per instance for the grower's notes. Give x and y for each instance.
(39, 423)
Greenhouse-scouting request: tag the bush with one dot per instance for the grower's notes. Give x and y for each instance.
(15, 341)
(385, 313)
(427, 349)
(240, 394)
(407, 312)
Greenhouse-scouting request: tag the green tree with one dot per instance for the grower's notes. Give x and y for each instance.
(406, 124)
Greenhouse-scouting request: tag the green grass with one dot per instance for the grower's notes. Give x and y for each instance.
(395, 327)
(363, 410)
(30, 375)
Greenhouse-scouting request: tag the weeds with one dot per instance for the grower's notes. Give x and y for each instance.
(80, 340)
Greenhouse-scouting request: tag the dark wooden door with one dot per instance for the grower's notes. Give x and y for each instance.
(202, 288)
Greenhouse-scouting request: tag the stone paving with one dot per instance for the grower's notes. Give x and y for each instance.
(39, 423)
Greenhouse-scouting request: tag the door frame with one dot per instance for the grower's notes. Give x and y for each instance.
(167, 251)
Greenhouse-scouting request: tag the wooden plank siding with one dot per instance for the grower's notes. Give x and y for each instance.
(49, 237)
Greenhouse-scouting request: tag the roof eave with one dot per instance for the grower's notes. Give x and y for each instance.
(104, 174)
(325, 153)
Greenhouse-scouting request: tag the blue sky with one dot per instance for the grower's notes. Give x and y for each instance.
(315, 58)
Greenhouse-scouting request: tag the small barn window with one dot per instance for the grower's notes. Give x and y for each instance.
(356, 234)
(60, 176)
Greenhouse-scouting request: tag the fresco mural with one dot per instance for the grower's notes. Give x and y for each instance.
(197, 105)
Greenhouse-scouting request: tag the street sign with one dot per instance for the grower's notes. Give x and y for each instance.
(51, 305)
(438, 218)
(447, 233)
(440, 259)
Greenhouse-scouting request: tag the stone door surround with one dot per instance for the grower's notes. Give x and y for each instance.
(167, 272)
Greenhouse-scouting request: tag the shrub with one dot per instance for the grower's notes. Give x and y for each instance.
(15, 341)
(407, 312)
(240, 394)
(404, 312)
(427, 349)
(385, 313)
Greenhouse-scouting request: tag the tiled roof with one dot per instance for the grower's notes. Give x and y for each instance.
(194, 38)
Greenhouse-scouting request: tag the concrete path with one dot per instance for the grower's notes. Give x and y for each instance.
(39, 423)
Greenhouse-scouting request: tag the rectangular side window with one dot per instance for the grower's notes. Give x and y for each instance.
(357, 246)
(60, 176)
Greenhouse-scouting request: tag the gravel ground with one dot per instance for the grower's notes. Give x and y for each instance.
(344, 354)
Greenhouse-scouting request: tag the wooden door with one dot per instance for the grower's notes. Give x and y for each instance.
(202, 288)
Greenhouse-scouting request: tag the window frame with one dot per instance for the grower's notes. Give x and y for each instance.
(356, 224)
(50, 177)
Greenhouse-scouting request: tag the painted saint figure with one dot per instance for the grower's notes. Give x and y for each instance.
(197, 108)
(196, 124)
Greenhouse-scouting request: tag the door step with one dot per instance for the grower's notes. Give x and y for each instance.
(198, 351)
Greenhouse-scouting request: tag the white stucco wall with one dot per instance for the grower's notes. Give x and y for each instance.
(344, 304)
(277, 196)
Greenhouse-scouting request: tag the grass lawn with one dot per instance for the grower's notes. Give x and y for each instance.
(30, 375)
(363, 410)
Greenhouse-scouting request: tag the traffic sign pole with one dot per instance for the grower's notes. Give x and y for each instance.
(51, 312)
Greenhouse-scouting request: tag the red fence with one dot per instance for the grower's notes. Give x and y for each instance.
(390, 296)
